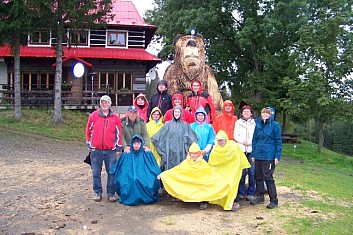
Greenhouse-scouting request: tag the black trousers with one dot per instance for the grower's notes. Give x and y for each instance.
(264, 173)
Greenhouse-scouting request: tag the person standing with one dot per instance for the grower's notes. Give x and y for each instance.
(243, 134)
(266, 153)
(141, 103)
(104, 139)
(198, 98)
(177, 99)
(226, 120)
(161, 99)
(173, 140)
(153, 126)
(204, 132)
(133, 125)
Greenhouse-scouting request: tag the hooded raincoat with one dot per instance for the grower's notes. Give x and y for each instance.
(152, 128)
(194, 181)
(142, 110)
(135, 176)
(186, 117)
(203, 99)
(226, 121)
(230, 161)
(162, 100)
(205, 133)
(172, 142)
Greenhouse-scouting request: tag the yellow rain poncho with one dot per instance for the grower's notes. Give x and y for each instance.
(194, 181)
(152, 128)
(230, 161)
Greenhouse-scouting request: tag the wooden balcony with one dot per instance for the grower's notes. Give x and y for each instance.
(82, 100)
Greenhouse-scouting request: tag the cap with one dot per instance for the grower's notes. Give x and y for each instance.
(132, 109)
(105, 98)
(221, 138)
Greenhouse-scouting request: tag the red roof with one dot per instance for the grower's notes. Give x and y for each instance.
(125, 13)
(92, 52)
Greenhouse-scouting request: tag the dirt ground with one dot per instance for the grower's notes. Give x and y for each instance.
(47, 189)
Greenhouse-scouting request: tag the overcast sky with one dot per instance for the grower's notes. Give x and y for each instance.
(142, 6)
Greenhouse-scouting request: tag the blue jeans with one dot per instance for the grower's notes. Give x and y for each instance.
(252, 182)
(97, 159)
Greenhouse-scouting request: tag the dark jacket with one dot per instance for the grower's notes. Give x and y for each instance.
(267, 139)
(161, 100)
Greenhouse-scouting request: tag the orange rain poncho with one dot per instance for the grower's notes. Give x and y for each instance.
(230, 161)
(194, 181)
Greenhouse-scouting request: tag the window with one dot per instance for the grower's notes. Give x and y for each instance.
(117, 38)
(79, 38)
(36, 81)
(40, 37)
(115, 81)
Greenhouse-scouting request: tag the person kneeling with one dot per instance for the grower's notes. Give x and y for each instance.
(193, 180)
(135, 175)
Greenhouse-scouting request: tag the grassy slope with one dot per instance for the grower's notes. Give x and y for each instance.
(327, 175)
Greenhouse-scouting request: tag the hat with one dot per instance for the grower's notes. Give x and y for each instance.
(105, 98)
(132, 109)
(220, 138)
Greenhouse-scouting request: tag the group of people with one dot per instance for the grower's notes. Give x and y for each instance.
(186, 150)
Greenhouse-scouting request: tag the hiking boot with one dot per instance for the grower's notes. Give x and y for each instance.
(112, 198)
(258, 200)
(203, 205)
(236, 207)
(250, 198)
(272, 205)
(97, 198)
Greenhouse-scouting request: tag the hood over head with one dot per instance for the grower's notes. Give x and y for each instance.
(228, 102)
(221, 135)
(180, 96)
(203, 111)
(197, 81)
(160, 113)
(164, 82)
(143, 97)
(136, 138)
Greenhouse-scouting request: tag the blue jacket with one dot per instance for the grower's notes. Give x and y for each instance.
(267, 139)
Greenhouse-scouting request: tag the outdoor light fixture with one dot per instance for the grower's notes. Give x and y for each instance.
(78, 70)
(193, 32)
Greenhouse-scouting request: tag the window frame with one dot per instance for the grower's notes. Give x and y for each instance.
(117, 33)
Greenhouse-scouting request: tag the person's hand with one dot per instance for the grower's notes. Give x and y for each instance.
(146, 149)
(253, 159)
(159, 176)
(276, 161)
(245, 142)
(127, 149)
(117, 154)
(203, 152)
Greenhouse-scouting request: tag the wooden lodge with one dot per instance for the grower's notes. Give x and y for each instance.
(115, 63)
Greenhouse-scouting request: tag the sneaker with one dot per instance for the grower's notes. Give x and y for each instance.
(272, 205)
(97, 198)
(250, 198)
(258, 200)
(236, 207)
(241, 197)
(203, 205)
(112, 198)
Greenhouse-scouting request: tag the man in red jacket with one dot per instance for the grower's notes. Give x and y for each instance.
(104, 139)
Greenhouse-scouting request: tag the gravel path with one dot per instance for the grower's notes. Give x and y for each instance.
(46, 189)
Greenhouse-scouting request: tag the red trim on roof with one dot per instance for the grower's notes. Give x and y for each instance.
(93, 52)
(75, 58)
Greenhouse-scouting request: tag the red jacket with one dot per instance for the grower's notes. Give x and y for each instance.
(226, 121)
(186, 115)
(104, 133)
(142, 112)
(203, 99)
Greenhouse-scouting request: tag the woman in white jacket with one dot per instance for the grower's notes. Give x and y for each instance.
(243, 133)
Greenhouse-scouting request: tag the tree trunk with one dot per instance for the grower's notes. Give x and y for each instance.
(284, 122)
(17, 83)
(57, 117)
(321, 135)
